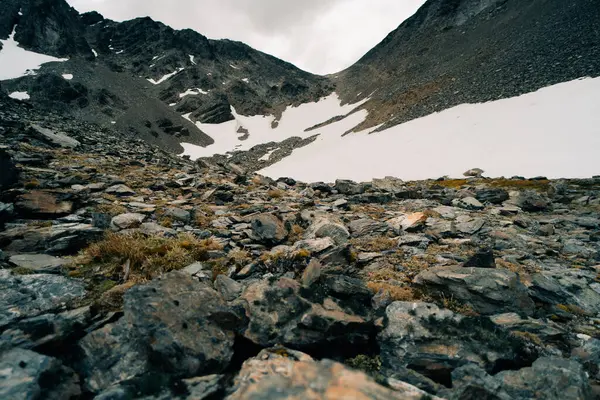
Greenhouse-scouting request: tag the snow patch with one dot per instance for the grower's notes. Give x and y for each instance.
(233, 66)
(95, 53)
(246, 80)
(165, 77)
(120, 52)
(16, 62)
(293, 122)
(19, 95)
(192, 59)
(20, 12)
(554, 132)
(67, 76)
(192, 92)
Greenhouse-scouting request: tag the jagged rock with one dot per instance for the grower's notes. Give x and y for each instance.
(57, 139)
(26, 296)
(40, 263)
(127, 221)
(29, 375)
(549, 378)
(366, 226)
(152, 228)
(43, 204)
(571, 289)
(588, 354)
(56, 239)
(47, 330)
(279, 373)
(120, 190)
(468, 203)
(228, 288)
(326, 227)
(491, 195)
(164, 330)
(349, 187)
(315, 246)
(389, 184)
(529, 201)
(268, 229)
(469, 225)
(484, 258)
(412, 222)
(178, 214)
(10, 173)
(488, 291)
(434, 341)
(7, 211)
(283, 313)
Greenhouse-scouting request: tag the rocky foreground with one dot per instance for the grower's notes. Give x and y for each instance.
(130, 273)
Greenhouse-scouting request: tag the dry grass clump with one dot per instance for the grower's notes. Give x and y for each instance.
(456, 306)
(296, 234)
(542, 184)
(528, 337)
(111, 209)
(375, 244)
(397, 293)
(136, 257)
(275, 193)
(451, 183)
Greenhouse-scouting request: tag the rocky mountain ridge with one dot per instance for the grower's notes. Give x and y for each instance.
(129, 273)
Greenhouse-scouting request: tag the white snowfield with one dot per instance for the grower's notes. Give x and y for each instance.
(67, 76)
(165, 77)
(16, 62)
(554, 132)
(293, 122)
(19, 95)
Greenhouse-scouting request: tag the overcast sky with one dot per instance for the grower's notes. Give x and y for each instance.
(320, 36)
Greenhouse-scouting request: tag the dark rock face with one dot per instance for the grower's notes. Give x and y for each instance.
(163, 321)
(51, 27)
(423, 73)
(10, 174)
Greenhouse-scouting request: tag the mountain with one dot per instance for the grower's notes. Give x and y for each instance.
(142, 76)
(470, 51)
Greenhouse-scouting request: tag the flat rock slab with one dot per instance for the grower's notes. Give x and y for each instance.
(38, 262)
(58, 139)
(24, 296)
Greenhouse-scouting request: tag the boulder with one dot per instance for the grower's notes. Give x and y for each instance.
(175, 326)
(529, 200)
(474, 172)
(412, 222)
(483, 258)
(366, 226)
(228, 288)
(491, 195)
(26, 296)
(29, 375)
(333, 310)
(348, 187)
(328, 227)
(468, 203)
(469, 225)
(178, 214)
(488, 291)
(433, 342)
(279, 373)
(268, 229)
(43, 204)
(127, 221)
(549, 378)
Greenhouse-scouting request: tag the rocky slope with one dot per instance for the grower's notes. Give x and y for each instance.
(130, 273)
(468, 51)
(111, 65)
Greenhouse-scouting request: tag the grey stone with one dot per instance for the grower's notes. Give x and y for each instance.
(29, 375)
(120, 190)
(410, 239)
(41, 263)
(268, 229)
(58, 139)
(26, 296)
(127, 221)
(228, 288)
(468, 203)
(178, 214)
(366, 226)
(488, 291)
